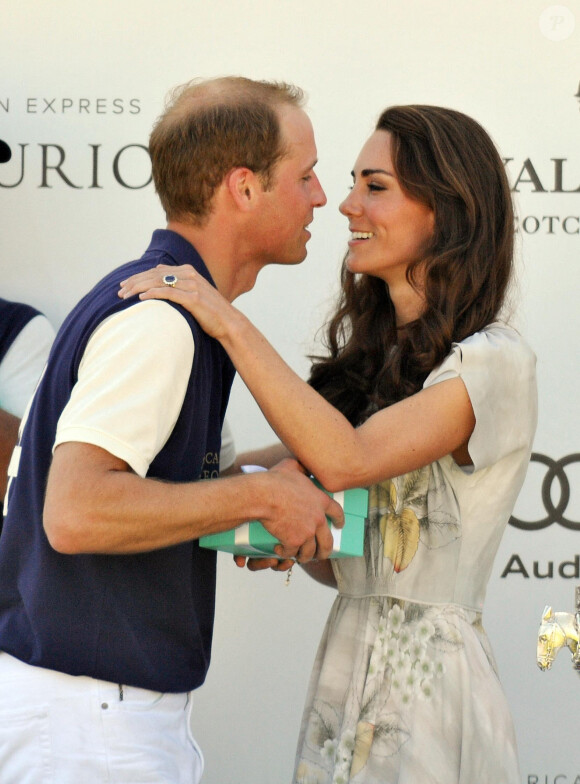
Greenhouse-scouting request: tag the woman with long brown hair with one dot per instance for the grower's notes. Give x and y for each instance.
(429, 399)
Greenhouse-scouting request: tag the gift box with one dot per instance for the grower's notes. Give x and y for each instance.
(252, 540)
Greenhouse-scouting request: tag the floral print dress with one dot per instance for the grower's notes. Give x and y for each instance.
(404, 688)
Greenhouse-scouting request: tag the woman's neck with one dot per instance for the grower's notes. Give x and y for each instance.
(409, 303)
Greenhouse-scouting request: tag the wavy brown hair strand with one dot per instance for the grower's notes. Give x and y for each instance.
(445, 160)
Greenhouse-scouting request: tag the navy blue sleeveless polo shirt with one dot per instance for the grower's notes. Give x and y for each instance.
(14, 316)
(144, 620)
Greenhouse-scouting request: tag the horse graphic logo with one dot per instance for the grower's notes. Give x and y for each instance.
(558, 630)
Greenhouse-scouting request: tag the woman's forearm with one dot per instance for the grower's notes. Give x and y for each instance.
(405, 436)
(267, 456)
(313, 430)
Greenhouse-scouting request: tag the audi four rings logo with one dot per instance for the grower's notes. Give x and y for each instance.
(555, 513)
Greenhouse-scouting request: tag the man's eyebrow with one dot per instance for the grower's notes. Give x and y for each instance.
(312, 165)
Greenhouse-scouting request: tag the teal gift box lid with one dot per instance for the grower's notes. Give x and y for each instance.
(252, 539)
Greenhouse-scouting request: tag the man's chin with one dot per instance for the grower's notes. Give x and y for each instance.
(290, 258)
(296, 258)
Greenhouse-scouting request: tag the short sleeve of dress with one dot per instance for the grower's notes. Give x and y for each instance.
(498, 369)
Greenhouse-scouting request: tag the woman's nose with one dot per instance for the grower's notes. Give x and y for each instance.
(350, 205)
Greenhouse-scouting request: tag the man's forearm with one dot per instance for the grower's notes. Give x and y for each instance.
(9, 425)
(94, 504)
(105, 508)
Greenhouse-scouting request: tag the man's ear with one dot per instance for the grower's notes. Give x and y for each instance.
(244, 188)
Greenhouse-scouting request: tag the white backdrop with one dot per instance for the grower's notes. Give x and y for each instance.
(81, 86)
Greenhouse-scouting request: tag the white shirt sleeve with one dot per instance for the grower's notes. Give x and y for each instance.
(498, 369)
(131, 384)
(228, 450)
(23, 364)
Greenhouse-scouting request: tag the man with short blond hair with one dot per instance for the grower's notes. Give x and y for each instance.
(211, 127)
(106, 598)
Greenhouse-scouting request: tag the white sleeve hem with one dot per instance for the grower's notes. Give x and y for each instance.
(120, 449)
(131, 384)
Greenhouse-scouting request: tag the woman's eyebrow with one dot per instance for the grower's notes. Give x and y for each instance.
(370, 172)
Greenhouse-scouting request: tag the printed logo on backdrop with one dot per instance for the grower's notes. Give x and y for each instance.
(535, 179)
(557, 175)
(553, 778)
(77, 165)
(554, 512)
(553, 504)
(5, 152)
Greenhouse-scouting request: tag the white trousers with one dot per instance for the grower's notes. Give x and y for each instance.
(61, 729)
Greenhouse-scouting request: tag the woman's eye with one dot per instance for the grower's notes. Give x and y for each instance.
(373, 186)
